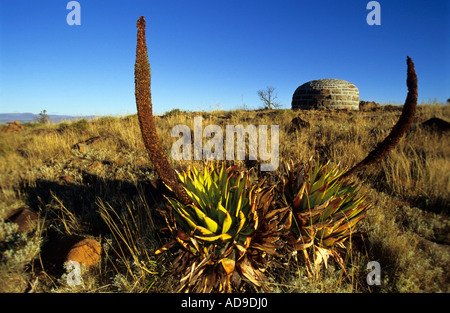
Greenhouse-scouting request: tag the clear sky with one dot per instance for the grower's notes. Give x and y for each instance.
(215, 54)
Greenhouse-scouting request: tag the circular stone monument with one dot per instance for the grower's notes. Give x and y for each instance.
(326, 93)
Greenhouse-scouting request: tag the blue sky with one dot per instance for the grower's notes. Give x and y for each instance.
(215, 54)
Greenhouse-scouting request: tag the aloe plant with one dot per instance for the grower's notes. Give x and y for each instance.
(222, 224)
(325, 210)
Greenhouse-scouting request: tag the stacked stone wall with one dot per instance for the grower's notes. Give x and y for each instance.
(327, 93)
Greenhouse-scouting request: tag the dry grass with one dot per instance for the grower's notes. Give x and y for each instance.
(101, 190)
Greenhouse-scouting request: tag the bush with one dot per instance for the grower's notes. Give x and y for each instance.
(80, 124)
(174, 112)
(63, 126)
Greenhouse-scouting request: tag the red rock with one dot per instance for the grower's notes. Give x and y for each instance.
(66, 180)
(86, 251)
(14, 127)
(96, 164)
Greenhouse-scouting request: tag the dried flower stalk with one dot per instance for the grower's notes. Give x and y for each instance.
(397, 132)
(146, 120)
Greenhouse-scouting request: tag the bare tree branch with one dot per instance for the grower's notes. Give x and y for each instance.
(268, 97)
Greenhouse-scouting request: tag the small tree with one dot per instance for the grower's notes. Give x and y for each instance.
(268, 97)
(43, 118)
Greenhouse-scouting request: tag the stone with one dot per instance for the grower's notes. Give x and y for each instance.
(26, 218)
(96, 165)
(84, 146)
(297, 124)
(326, 93)
(369, 106)
(86, 251)
(66, 180)
(14, 127)
(436, 124)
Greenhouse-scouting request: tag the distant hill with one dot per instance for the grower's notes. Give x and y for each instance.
(30, 117)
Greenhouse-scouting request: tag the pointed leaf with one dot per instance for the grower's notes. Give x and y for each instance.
(210, 224)
(166, 247)
(204, 231)
(227, 222)
(228, 265)
(199, 213)
(187, 218)
(239, 204)
(242, 220)
(222, 237)
(328, 242)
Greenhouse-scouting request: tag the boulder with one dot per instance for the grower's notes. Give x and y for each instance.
(14, 127)
(96, 165)
(436, 124)
(85, 146)
(369, 106)
(297, 124)
(65, 180)
(86, 251)
(25, 217)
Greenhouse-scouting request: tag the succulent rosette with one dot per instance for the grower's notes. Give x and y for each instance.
(225, 228)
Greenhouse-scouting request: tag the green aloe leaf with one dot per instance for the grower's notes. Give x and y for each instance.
(221, 237)
(204, 231)
(210, 224)
(187, 218)
(239, 203)
(225, 219)
(199, 213)
(242, 220)
(331, 208)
